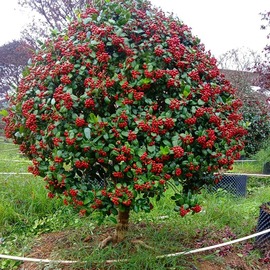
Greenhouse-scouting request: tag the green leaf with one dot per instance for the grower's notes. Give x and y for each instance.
(4, 113)
(164, 150)
(21, 129)
(26, 71)
(136, 208)
(87, 133)
(94, 42)
(96, 139)
(87, 20)
(113, 219)
(145, 81)
(114, 211)
(118, 185)
(139, 164)
(114, 153)
(111, 146)
(201, 102)
(186, 91)
(89, 198)
(168, 101)
(138, 31)
(107, 100)
(146, 208)
(93, 118)
(167, 143)
(151, 148)
(111, 21)
(141, 151)
(124, 133)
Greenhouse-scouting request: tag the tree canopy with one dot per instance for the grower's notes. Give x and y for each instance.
(264, 67)
(238, 66)
(122, 105)
(50, 15)
(13, 58)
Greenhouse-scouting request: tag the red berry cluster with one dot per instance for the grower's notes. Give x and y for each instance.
(178, 151)
(184, 211)
(175, 104)
(81, 164)
(80, 122)
(191, 121)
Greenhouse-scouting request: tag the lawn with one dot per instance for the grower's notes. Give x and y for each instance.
(31, 225)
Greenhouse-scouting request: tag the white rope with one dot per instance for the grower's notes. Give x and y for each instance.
(249, 174)
(13, 173)
(6, 150)
(246, 160)
(16, 160)
(216, 246)
(17, 258)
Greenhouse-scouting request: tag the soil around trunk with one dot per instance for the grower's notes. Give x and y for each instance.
(45, 247)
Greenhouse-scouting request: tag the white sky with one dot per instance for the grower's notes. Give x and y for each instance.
(220, 24)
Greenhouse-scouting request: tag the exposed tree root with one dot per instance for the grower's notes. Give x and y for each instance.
(111, 240)
(120, 233)
(142, 243)
(105, 242)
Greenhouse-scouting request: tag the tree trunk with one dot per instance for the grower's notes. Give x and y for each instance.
(120, 231)
(122, 226)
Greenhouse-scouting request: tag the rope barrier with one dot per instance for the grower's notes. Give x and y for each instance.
(249, 174)
(17, 258)
(245, 160)
(6, 150)
(216, 246)
(12, 173)
(16, 160)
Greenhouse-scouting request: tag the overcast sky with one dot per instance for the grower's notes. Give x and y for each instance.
(220, 24)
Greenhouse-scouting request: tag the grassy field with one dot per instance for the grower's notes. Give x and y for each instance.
(245, 166)
(29, 221)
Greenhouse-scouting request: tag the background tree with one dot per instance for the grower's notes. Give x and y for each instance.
(13, 58)
(263, 68)
(49, 15)
(238, 65)
(121, 106)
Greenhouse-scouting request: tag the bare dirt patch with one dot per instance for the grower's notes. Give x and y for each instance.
(47, 247)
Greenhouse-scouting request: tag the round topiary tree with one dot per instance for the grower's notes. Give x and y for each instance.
(121, 106)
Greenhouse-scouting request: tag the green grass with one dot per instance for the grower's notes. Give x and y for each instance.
(252, 167)
(27, 213)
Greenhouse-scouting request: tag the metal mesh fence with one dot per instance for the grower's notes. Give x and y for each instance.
(235, 184)
(263, 224)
